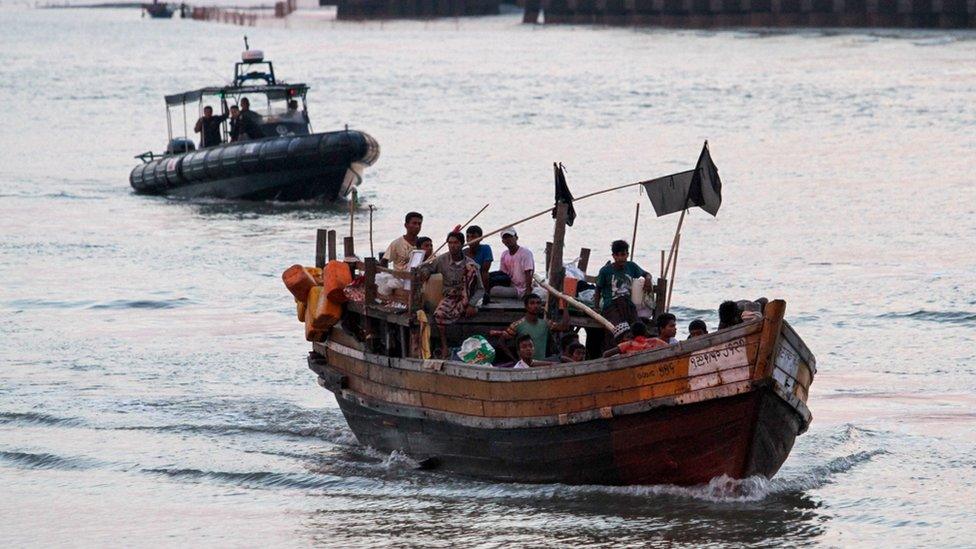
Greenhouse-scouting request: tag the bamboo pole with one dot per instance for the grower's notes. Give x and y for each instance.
(352, 212)
(662, 264)
(371, 208)
(674, 270)
(466, 223)
(633, 239)
(549, 209)
(574, 302)
(674, 243)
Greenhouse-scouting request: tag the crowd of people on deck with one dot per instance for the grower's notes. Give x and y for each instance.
(245, 124)
(469, 283)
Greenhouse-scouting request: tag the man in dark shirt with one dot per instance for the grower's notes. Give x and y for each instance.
(249, 123)
(208, 126)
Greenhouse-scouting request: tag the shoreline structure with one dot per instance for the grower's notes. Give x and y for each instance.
(694, 14)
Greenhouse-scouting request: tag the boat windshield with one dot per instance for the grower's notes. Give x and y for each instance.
(278, 117)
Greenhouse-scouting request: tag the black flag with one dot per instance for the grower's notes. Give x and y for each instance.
(562, 194)
(699, 187)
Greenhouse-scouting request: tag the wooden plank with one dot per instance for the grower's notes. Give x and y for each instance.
(584, 259)
(798, 345)
(384, 393)
(769, 337)
(460, 369)
(370, 283)
(527, 408)
(467, 406)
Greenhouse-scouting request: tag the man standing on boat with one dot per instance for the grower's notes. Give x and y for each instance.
(613, 286)
(208, 126)
(248, 123)
(398, 252)
(462, 286)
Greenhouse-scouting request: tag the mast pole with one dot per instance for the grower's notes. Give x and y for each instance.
(556, 268)
(633, 239)
(674, 243)
(674, 271)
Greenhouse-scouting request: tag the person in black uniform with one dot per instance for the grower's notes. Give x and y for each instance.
(208, 126)
(248, 123)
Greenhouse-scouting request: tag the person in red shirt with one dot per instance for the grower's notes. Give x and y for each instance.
(634, 340)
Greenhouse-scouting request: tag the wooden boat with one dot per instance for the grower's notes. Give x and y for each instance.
(729, 403)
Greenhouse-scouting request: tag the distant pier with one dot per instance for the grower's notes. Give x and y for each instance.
(354, 10)
(951, 14)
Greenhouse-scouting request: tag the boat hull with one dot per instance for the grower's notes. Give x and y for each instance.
(287, 168)
(729, 403)
(739, 436)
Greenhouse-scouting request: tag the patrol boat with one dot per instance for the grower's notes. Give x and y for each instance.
(286, 162)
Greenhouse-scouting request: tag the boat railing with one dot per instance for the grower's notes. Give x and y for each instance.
(149, 156)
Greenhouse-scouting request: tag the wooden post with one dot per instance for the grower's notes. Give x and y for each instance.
(332, 245)
(584, 260)
(321, 247)
(556, 270)
(660, 297)
(350, 254)
(662, 265)
(548, 256)
(370, 282)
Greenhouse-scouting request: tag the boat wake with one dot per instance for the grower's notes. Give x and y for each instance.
(27, 460)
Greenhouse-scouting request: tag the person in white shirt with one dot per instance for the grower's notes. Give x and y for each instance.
(526, 348)
(517, 262)
(397, 254)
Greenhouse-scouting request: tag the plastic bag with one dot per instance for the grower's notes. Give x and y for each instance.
(477, 350)
(574, 271)
(386, 283)
(586, 296)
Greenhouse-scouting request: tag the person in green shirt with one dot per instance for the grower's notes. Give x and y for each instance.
(613, 285)
(534, 326)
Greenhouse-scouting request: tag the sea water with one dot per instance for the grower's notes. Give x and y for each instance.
(153, 384)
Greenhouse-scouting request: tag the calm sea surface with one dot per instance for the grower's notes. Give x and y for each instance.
(153, 386)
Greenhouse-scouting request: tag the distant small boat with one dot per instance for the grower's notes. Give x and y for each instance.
(159, 10)
(288, 162)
